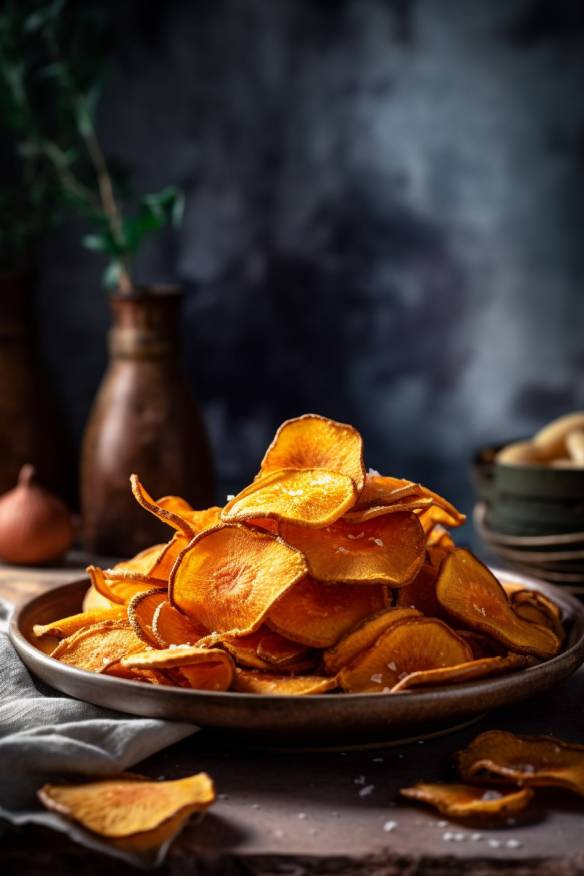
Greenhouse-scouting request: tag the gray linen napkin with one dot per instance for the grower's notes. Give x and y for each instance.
(48, 737)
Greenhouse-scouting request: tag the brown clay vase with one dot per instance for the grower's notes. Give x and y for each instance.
(31, 430)
(144, 420)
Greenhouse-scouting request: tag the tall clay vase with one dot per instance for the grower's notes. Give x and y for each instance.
(31, 430)
(144, 420)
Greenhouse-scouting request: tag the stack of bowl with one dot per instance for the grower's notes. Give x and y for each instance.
(532, 517)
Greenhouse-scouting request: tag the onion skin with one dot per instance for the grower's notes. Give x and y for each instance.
(36, 527)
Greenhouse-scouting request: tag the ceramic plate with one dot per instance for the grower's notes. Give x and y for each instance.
(314, 721)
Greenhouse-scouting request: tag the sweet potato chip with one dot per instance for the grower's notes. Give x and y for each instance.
(468, 591)
(482, 646)
(216, 676)
(176, 655)
(435, 515)
(93, 600)
(363, 636)
(451, 515)
(126, 805)
(66, 626)
(317, 614)
(407, 646)
(464, 801)
(470, 671)
(380, 490)
(281, 652)
(143, 562)
(141, 608)
(120, 585)
(97, 647)
(315, 442)
(440, 537)
(228, 578)
(244, 649)
(248, 681)
(537, 608)
(421, 592)
(534, 761)
(409, 504)
(313, 497)
(170, 517)
(387, 550)
(166, 559)
(171, 627)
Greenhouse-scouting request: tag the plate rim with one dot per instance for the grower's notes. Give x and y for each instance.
(572, 656)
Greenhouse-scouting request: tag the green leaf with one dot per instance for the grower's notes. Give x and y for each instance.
(98, 243)
(111, 275)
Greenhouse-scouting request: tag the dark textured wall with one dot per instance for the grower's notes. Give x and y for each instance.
(384, 223)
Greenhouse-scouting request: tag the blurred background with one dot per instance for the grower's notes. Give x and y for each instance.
(384, 209)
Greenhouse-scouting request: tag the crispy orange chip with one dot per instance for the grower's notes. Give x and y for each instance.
(387, 550)
(244, 649)
(468, 591)
(169, 516)
(470, 671)
(141, 608)
(421, 592)
(126, 805)
(408, 646)
(171, 627)
(440, 537)
(451, 516)
(177, 655)
(166, 559)
(380, 490)
(93, 600)
(143, 562)
(216, 676)
(281, 652)
(482, 646)
(363, 636)
(535, 761)
(66, 626)
(97, 647)
(315, 442)
(317, 614)
(119, 585)
(411, 503)
(463, 801)
(248, 681)
(313, 497)
(228, 578)
(537, 608)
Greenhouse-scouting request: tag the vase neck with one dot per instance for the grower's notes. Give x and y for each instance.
(144, 326)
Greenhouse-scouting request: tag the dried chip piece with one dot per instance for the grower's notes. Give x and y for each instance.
(470, 671)
(176, 655)
(198, 519)
(380, 490)
(168, 556)
(170, 517)
(120, 585)
(281, 652)
(143, 562)
(313, 497)
(536, 761)
(141, 608)
(125, 805)
(482, 646)
(97, 647)
(363, 636)
(93, 600)
(451, 516)
(537, 608)
(387, 550)
(463, 801)
(409, 504)
(228, 578)
(244, 649)
(315, 442)
(248, 681)
(171, 627)
(66, 626)
(421, 592)
(317, 614)
(440, 537)
(408, 646)
(216, 676)
(468, 591)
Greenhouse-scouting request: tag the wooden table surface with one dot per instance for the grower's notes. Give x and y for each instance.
(332, 813)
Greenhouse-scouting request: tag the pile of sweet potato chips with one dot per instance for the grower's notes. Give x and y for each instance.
(318, 576)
